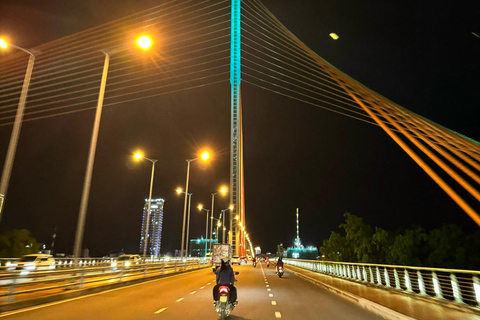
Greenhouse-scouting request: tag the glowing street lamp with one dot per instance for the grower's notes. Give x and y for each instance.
(180, 191)
(200, 207)
(139, 156)
(223, 191)
(91, 159)
(204, 156)
(17, 125)
(144, 42)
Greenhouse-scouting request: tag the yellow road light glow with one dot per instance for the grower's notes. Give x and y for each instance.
(205, 156)
(138, 155)
(3, 44)
(179, 190)
(231, 207)
(240, 224)
(219, 224)
(334, 36)
(224, 190)
(237, 217)
(144, 42)
(200, 207)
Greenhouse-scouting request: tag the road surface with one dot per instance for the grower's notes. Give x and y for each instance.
(261, 295)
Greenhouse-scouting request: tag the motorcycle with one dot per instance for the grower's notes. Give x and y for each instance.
(223, 306)
(268, 263)
(280, 271)
(254, 264)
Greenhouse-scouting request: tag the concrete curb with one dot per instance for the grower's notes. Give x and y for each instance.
(82, 292)
(374, 307)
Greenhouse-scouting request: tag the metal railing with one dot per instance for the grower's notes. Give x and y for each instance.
(458, 286)
(23, 285)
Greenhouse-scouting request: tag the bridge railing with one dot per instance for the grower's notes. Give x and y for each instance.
(458, 286)
(23, 285)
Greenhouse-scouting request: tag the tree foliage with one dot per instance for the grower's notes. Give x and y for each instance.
(445, 247)
(15, 243)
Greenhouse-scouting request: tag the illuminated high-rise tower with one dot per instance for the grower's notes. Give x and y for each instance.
(297, 243)
(154, 234)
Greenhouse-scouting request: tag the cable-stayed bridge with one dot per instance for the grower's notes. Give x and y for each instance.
(216, 43)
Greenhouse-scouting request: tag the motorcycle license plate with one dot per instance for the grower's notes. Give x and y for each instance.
(223, 299)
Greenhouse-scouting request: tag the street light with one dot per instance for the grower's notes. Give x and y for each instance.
(179, 191)
(140, 156)
(91, 159)
(204, 156)
(223, 191)
(200, 207)
(222, 216)
(17, 125)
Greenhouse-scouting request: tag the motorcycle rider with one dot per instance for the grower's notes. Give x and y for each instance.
(254, 261)
(267, 262)
(225, 277)
(279, 263)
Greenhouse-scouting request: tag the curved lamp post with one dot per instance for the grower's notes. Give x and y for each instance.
(200, 207)
(179, 191)
(17, 125)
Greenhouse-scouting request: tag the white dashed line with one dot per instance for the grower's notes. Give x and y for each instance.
(278, 315)
(274, 303)
(202, 287)
(193, 292)
(208, 283)
(267, 286)
(179, 299)
(160, 310)
(270, 295)
(269, 289)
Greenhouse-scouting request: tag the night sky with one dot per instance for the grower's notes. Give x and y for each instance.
(419, 54)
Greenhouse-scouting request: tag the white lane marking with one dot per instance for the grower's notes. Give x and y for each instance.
(193, 292)
(202, 287)
(269, 289)
(179, 299)
(270, 295)
(88, 295)
(267, 285)
(274, 303)
(278, 315)
(208, 283)
(160, 310)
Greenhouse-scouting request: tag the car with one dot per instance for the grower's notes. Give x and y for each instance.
(235, 260)
(126, 261)
(243, 260)
(33, 262)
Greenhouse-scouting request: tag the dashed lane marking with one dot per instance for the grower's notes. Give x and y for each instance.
(267, 285)
(193, 292)
(269, 289)
(179, 299)
(160, 310)
(202, 287)
(270, 295)
(274, 303)
(208, 283)
(278, 315)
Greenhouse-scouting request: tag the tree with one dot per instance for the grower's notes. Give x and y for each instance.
(334, 248)
(447, 247)
(18, 242)
(409, 248)
(358, 239)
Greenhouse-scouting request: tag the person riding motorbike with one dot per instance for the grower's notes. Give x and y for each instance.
(225, 277)
(279, 263)
(267, 262)
(254, 261)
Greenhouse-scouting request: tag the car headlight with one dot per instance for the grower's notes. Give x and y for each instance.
(29, 267)
(127, 264)
(114, 264)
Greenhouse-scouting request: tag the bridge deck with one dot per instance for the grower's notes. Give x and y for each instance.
(400, 302)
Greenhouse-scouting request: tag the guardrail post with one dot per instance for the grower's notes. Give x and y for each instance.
(364, 271)
(81, 281)
(371, 275)
(359, 274)
(476, 288)
(120, 276)
(397, 279)
(145, 270)
(421, 284)
(408, 284)
(379, 276)
(11, 289)
(436, 286)
(387, 277)
(457, 294)
(349, 272)
(175, 266)
(163, 267)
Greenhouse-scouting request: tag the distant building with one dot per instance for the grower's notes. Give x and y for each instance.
(154, 236)
(197, 247)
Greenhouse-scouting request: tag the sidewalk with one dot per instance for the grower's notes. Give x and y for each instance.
(374, 298)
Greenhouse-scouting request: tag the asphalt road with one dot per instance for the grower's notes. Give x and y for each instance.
(261, 295)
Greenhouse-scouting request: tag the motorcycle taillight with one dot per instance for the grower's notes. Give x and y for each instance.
(223, 289)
